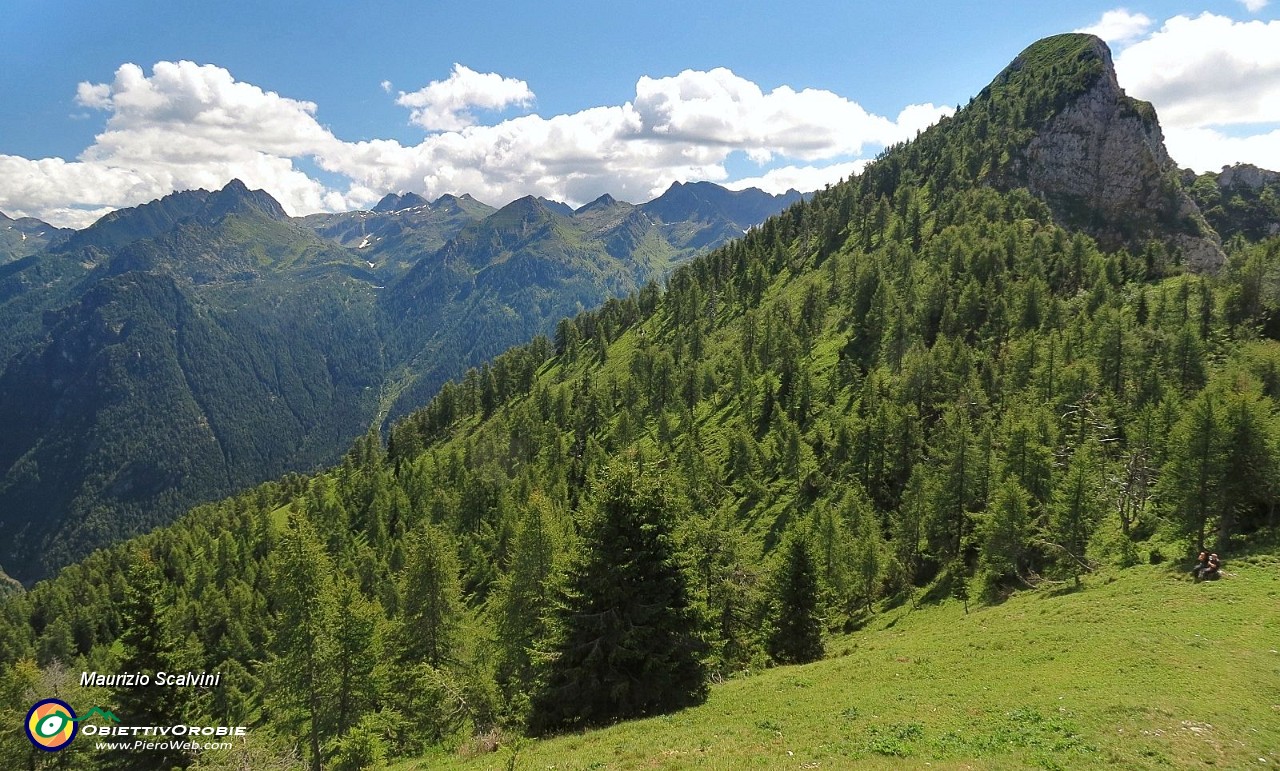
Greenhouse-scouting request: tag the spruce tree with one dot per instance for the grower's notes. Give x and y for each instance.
(626, 643)
(150, 646)
(797, 628)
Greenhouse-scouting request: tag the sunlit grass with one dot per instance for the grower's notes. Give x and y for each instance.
(1139, 669)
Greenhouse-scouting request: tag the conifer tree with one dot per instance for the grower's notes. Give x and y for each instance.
(302, 643)
(797, 628)
(522, 601)
(627, 643)
(1075, 511)
(151, 645)
(1250, 458)
(1192, 475)
(1003, 536)
(869, 557)
(432, 595)
(356, 650)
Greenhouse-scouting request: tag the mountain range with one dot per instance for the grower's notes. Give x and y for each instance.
(989, 365)
(177, 351)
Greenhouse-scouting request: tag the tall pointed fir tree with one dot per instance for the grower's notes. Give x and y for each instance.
(797, 628)
(150, 645)
(626, 643)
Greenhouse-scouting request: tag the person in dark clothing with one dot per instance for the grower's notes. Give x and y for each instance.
(1212, 570)
(1202, 562)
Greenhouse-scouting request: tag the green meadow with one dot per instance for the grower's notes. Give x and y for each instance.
(1137, 668)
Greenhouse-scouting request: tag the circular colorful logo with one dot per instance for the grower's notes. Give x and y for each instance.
(51, 724)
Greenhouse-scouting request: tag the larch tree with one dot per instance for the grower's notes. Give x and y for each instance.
(432, 598)
(302, 643)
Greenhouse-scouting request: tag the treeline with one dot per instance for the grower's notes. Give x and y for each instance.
(902, 389)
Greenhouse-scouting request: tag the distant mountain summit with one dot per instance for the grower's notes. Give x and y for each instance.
(743, 208)
(27, 235)
(126, 226)
(237, 198)
(400, 202)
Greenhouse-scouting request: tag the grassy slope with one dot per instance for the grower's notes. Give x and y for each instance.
(1141, 669)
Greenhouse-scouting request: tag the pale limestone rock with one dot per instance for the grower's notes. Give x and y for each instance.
(1101, 164)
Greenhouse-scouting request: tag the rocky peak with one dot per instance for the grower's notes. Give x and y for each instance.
(605, 201)
(1098, 156)
(559, 207)
(1246, 175)
(399, 202)
(237, 198)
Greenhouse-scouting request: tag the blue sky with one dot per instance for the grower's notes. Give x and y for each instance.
(328, 105)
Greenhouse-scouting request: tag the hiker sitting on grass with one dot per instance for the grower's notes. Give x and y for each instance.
(1212, 570)
(1202, 562)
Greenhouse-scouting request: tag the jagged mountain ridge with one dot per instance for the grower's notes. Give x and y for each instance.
(178, 350)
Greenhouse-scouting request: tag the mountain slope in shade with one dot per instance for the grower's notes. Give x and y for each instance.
(175, 367)
(181, 349)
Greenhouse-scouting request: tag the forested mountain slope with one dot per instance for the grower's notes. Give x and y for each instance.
(177, 351)
(927, 381)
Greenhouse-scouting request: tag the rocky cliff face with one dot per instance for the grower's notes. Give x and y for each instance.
(1100, 163)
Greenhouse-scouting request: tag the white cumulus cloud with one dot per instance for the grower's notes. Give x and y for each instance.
(1253, 6)
(1210, 70)
(719, 108)
(1206, 73)
(446, 105)
(801, 178)
(1208, 149)
(186, 125)
(1119, 26)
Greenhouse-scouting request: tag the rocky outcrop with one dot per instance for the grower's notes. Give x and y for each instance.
(1101, 165)
(1241, 200)
(1248, 176)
